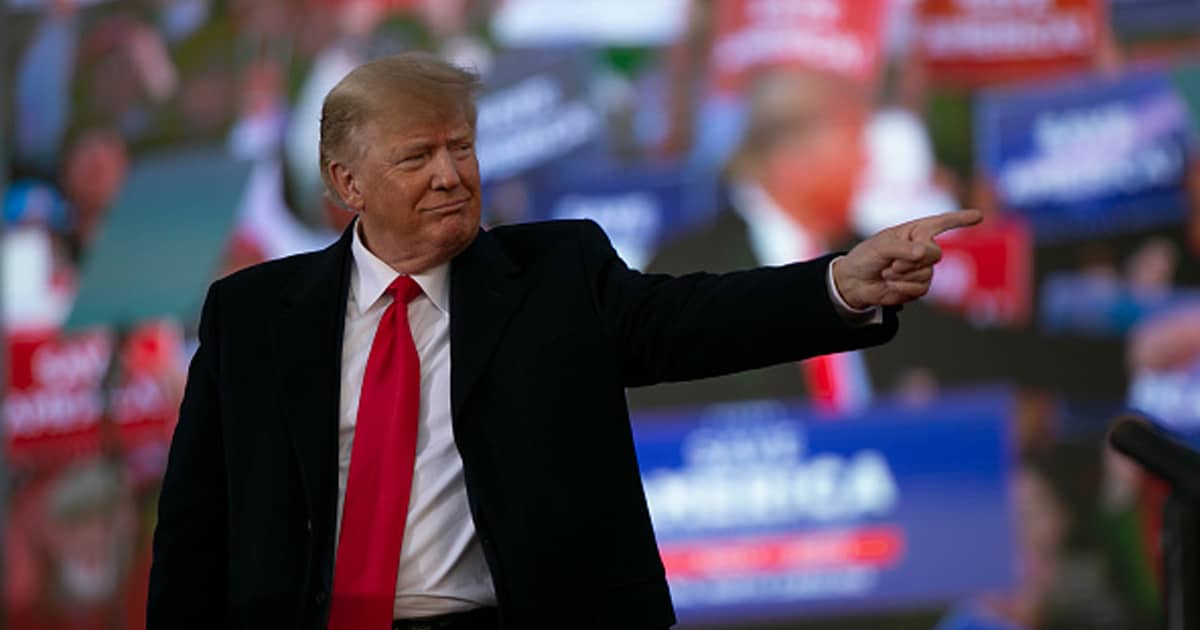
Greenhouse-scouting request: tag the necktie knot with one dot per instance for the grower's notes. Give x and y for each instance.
(404, 289)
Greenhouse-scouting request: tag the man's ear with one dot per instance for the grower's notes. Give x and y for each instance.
(346, 186)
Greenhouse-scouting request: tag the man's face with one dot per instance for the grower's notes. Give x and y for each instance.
(95, 169)
(417, 188)
(813, 173)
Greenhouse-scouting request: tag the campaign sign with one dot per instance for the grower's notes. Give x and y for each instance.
(638, 207)
(1087, 157)
(145, 399)
(1147, 18)
(1171, 396)
(985, 273)
(535, 111)
(60, 389)
(53, 404)
(763, 511)
(976, 42)
(840, 37)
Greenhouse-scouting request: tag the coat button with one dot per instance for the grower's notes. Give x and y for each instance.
(320, 597)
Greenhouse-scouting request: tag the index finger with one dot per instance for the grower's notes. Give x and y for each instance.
(929, 227)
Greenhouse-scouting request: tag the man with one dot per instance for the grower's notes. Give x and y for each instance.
(425, 423)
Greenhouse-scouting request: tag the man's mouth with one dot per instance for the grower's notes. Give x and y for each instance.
(447, 208)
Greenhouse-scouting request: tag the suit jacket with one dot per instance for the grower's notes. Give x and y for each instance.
(721, 246)
(956, 351)
(547, 329)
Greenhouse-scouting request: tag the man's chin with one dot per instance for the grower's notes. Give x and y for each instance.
(456, 232)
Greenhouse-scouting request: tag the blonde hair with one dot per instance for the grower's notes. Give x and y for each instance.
(414, 83)
(784, 101)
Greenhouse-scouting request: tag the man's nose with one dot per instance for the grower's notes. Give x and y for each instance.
(445, 171)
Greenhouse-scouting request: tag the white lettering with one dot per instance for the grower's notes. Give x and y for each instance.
(72, 363)
(759, 476)
(772, 11)
(32, 414)
(987, 37)
(828, 49)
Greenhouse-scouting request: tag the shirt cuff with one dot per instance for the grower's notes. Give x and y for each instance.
(856, 317)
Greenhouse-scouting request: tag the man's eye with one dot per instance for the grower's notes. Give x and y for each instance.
(465, 147)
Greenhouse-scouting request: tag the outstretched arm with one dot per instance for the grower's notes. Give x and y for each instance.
(675, 328)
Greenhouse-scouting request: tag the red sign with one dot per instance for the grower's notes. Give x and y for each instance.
(840, 37)
(975, 42)
(53, 397)
(877, 547)
(55, 400)
(146, 401)
(985, 272)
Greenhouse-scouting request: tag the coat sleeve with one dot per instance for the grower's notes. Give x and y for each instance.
(188, 574)
(677, 328)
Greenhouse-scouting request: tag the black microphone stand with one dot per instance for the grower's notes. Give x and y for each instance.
(1179, 466)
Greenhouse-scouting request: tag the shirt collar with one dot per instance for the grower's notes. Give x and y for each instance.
(372, 277)
(774, 236)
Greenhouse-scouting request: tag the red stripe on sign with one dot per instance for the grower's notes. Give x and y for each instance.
(877, 547)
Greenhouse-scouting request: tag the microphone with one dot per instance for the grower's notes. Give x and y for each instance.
(1159, 453)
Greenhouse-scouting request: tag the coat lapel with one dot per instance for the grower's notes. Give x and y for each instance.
(307, 343)
(485, 291)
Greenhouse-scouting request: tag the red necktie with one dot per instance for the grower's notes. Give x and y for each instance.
(381, 470)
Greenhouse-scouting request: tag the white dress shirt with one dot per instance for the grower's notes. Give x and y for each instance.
(442, 568)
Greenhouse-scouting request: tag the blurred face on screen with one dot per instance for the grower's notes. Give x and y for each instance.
(416, 188)
(805, 146)
(93, 173)
(813, 171)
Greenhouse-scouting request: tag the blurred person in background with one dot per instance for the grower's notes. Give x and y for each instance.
(49, 228)
(94, 169)
(38, 266)
(75, 531)
(266, 226)
(466, 529)
(791, 185)
(1099, 300)
(42, 88)
(1058, 588)
(1042, 527)
(126, 80)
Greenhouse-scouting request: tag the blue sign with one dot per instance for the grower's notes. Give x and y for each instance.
(637, 207)
(1088, 157)
(1147, 18)
(1170, 395)
(535, 111)
(766, 510)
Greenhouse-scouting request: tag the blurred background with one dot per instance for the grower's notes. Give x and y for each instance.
(956, 479)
